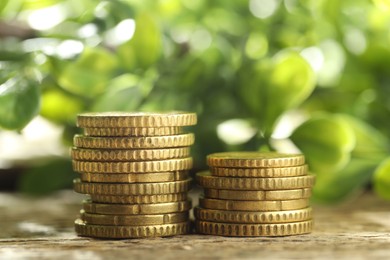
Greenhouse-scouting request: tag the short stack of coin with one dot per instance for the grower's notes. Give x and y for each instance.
(255, 194)
(134, 167)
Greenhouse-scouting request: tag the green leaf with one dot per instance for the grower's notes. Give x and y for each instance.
(89, 75)
(38, 4)
(3, 4)
(49, 177)
(333, 187)
(270, 88)
(19, 99)
(370, 143)
(327, 142)
(145, 47)
(381, 179)
(124, 94)
(59, 107)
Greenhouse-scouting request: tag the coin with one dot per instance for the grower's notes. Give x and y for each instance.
(134, 177)
(100, 231)
(133, 131)
(128, 155)
(131, 188)
(139, 199)
(291, 171)
(254, 159)
(136, 119)
(253, 230)
(133, 167)
(167, 141)
(246, 205)
(136, 209)
(206, 180)
(259, 217)
(258, 195)
(133, 220)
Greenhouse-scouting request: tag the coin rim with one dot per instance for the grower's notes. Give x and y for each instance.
(179, 164)
(153, 188)
(260, 217)
(134, 177)
(244, 205)
(136, 209)
(136, 119)
(257, 195)
(128, 155)
(239, 230)
(206, 180)
(274, 172)
(120, 232)
(145, 142)
(218, 160)
(139, 199)
(133, 220)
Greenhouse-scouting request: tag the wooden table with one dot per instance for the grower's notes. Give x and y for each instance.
(42, 228)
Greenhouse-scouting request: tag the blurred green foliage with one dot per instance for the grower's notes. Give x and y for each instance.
(326, 61)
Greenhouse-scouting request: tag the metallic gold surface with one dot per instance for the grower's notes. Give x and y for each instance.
(206, 180)
(133, 167)
(136, 119)
(93, 188)
(133, 131)
(120, 232)
(116, 155)
(259, 217)
(258, 195)
(245, 205)
(136, 209)
(254, 159)
(133, 220)
(253, 230)
(134, 177)
(139, 199)
(148, 142)
(291, 171)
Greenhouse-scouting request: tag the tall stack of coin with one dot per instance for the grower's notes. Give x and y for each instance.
(135, 168)
(255, 194)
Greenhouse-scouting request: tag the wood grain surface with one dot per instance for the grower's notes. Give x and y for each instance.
(42, 228)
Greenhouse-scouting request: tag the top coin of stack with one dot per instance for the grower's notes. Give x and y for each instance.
(255, 194)
(135, 168)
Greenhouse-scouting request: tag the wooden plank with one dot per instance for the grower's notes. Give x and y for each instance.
(42, 228)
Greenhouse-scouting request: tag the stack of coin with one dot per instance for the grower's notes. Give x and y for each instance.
(255, 194)
(135, 168)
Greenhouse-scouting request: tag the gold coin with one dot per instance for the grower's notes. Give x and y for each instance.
(259, 217)
(129, 155)
(133, 131)
(100, 231)
(258, 195)
(134, 177)
(136, 209)
(254, 159)
(168, 141)
(139, 199)
(136, 119)
(253, 230)
(246, 205)
(133, 220)
(121, 189)
(206, 180)
(133, 167)
(261, 172)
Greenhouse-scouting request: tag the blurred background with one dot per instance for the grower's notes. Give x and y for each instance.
(286, 75)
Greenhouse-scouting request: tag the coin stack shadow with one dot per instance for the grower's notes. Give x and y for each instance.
(255, 194)
(134, 167)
